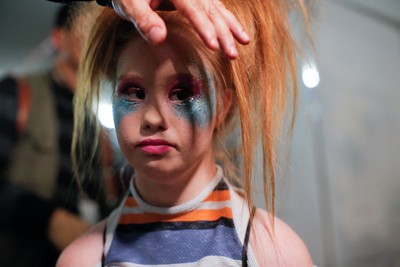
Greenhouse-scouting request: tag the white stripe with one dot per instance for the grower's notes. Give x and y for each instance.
(185, 207)
(209, 261)
(209, 205)
(112, 223)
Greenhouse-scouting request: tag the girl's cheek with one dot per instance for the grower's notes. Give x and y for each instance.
(122, 107)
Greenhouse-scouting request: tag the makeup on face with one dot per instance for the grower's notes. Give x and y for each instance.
(187, 94)
(122, 103)
(197, 106)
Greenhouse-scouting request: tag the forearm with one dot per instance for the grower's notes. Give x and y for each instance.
(64, 227)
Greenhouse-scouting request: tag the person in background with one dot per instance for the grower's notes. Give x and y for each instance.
(42, 208)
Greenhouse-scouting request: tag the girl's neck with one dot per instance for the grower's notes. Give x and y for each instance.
(185, 186)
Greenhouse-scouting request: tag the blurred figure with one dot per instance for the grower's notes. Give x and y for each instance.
(41, 204)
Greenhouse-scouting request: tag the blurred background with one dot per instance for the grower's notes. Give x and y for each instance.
(340, 190)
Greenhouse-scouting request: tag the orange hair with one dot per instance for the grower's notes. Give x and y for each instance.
(262, 78)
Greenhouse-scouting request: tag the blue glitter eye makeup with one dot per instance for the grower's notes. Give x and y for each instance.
(185, 88)
(181, 94)
(126, 100)
(191, 101)
(131, 90)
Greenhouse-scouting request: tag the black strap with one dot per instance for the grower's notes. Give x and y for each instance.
(247, 238)
(103, 258)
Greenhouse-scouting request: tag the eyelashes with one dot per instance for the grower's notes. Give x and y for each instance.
(185, 89)
(179, 92)
(131, 92)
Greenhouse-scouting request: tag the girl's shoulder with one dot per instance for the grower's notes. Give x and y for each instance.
(274, 243)
(86, 251)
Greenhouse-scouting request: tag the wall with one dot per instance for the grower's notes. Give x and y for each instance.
(24, 25)
(343, 196)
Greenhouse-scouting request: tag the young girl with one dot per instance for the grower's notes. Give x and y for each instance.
(188, 203)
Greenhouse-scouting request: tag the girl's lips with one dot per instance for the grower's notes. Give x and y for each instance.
(154, 146)
(157, 149)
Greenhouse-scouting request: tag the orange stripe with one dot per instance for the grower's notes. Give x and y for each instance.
(130, 202)
(204, 215)
(218, 196)
(24, 104)
(214, 196)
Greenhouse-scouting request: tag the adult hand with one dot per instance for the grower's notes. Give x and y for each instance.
(65, 227)
(216, 25)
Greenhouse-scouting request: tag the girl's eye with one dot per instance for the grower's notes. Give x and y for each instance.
(137, 93)
(181, 94)
(134, 93)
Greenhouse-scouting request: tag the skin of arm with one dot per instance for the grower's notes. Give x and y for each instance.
(86, 251)
(280, 247)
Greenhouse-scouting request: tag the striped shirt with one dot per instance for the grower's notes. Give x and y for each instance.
(201, 232)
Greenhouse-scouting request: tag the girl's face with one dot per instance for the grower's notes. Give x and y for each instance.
(163, 109)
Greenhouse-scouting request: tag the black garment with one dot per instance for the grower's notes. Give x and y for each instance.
(24, 215)
(165, 5)
(100, 2)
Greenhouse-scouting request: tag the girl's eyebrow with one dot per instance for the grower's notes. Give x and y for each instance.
(184, 77)
(129, 76)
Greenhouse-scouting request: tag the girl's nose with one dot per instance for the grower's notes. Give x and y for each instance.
(155, 117)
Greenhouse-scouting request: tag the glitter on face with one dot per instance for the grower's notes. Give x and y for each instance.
(199, 109)
(121, 107)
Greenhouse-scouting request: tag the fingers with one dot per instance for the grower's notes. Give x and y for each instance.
(197, 16)
(141, 14)
(222, 30)
(216, 25)
(234, 25)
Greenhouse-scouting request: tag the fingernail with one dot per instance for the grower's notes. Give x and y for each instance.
(214, 43)
(232, 51)
(155, 34)
(245, 36)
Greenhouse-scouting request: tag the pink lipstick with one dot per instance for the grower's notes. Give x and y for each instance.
(154, 146)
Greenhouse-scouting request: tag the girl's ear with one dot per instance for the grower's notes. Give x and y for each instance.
(224, 108)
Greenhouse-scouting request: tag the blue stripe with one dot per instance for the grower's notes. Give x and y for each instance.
(173, 247)
(221, 186)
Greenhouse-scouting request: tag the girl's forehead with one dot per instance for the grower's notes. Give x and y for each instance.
(138, 54)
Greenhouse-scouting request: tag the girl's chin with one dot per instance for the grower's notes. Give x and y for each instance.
(160, 169)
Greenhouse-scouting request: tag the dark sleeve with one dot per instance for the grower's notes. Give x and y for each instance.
(18, 206)
(8, 119)
(23, 212)
(100, 2)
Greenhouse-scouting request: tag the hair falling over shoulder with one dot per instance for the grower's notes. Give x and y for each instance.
(262, 79)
